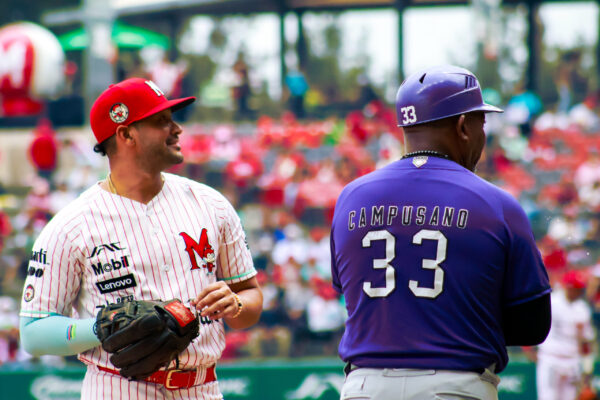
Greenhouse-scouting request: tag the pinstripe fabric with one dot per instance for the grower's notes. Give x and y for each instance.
(100, 385)
(101, 243)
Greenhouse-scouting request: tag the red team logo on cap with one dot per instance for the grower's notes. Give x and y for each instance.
(119, 113)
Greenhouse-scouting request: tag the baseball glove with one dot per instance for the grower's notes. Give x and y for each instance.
(144, 336)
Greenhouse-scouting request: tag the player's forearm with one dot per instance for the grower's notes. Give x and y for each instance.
(252, 301)
(57, 335)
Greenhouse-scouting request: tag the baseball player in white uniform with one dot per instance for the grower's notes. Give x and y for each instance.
(140, 234)
(566, 355)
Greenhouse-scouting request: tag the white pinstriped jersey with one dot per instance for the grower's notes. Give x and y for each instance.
(104, 248)
(571, 324)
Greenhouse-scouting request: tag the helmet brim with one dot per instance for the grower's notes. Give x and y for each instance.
(486, 108)
(489, 108)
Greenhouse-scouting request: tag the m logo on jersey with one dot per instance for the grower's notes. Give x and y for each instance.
(110, 247)
(202, 248)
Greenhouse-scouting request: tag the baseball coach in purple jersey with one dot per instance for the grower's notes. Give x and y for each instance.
(439, 268)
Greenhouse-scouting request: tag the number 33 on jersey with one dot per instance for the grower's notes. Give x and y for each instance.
(390, 254)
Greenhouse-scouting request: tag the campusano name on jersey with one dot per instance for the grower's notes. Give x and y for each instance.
(378, 216)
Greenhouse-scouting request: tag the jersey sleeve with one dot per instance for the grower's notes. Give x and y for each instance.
(585, 321)
(234, 263)
(335, 279)
(53, 274)
(526, 277)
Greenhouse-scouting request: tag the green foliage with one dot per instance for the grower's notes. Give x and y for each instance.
(486, 71)
(218, 37)
(326, 72)
(201, 69)
(550, 60)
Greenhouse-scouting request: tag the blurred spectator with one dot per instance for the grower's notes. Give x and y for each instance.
(521, 110)
(296, 298)
(366, 92)
(60, 197)
(297, 87)
(225, 146)
(241, 88)
(5, 228)
(37, 203)
(325, 317)
(585, 114)
(168, 75)
(570, 81)
(243, 172)
(587, 180)
(130, 65)
(567, 229)
(43, 150)
(271, 337)
(565, 360)
(9, 330)
(319, 254)
(290, 250)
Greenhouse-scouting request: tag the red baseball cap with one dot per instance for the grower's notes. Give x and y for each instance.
(129, 101)
(574, 279)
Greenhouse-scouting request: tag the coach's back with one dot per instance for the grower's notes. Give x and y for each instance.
(427, 255)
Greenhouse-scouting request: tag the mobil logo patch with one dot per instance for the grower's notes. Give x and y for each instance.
(115, 284)
(112, 265)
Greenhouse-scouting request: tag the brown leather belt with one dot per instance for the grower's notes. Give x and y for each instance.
(174, 379)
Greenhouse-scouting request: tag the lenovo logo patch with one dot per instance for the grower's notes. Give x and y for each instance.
(120, 283)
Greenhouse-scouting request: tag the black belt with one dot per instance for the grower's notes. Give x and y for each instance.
(349, 367)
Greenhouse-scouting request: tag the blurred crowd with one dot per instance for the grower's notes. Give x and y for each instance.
(284, 175)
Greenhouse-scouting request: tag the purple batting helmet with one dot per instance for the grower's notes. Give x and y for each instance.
(439, 92)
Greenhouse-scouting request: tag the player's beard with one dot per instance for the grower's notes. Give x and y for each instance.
(161, 156)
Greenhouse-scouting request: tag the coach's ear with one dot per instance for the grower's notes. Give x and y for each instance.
(461, 129)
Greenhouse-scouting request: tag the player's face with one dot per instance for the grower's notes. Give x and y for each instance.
(158, 138)
(574, 293)
(475, 122)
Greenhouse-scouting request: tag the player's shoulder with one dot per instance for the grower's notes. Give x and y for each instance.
(363, 182)
(493, 191)
(197, 189)
(73, 214)
(582, 307)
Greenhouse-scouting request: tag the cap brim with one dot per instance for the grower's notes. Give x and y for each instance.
(174, 105)
(490, 108)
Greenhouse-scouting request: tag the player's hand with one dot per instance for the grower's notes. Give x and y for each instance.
(216, 301)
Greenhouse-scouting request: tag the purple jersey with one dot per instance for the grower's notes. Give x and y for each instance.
(427, 255)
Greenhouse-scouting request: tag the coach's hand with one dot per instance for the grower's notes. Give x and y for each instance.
(217, 301)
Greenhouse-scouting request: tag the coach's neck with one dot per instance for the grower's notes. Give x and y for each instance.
(441, 136)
